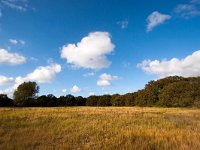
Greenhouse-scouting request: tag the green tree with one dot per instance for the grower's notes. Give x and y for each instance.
(130, 99)
(80, 101)
(177, 94)
(92, 100)
(25, 93)
(104, 100)
(68, 100)
(118, 100)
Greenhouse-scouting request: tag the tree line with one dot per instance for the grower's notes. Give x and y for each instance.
(171, 91)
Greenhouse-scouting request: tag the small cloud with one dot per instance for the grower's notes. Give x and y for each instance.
(103, 83)
(155, 19)
(11, 58)
(64, 90)
(33, 59)
(91, 93)
(187, 10)
(105, 79)
(5, 80)
(75, 89)
(13, 41)
(123, 24)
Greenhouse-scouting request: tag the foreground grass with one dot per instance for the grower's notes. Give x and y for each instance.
(99, 128)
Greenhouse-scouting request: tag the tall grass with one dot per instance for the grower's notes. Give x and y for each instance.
(100, 128)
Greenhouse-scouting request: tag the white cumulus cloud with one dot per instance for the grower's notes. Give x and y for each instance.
(11, 58)
(90, 52)
(5, 80)
(9, 92)
(75, 89)
(186, 67)
(40, 75)
(105, 79)
(156, 18)
(43, 74)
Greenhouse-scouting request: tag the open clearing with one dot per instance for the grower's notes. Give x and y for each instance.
(99, 128)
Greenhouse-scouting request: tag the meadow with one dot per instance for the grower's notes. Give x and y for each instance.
(145, 128)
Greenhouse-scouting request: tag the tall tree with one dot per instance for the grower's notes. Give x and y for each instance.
(25, 93)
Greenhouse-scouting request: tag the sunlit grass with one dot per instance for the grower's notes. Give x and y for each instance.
(99, 128)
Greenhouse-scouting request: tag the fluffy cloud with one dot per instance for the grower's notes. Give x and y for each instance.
(103, 83)
(9, 92)
(105, 79)
(90, 52)
(186, 67)
(11, 58)
(40, 75)
(155, 19)
(5, 80)
(75, 89)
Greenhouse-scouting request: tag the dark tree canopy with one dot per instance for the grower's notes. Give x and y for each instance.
(92, 100)
(104, 100)
(25, 93)
(5, 101)
(172, 91)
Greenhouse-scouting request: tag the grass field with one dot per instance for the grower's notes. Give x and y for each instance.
(99, 128)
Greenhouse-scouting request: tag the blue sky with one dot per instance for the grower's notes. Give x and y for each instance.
(84, 47)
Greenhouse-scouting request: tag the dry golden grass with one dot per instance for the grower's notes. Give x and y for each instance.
(100, 128)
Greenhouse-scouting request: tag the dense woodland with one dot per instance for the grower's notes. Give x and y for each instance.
(167, 92)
